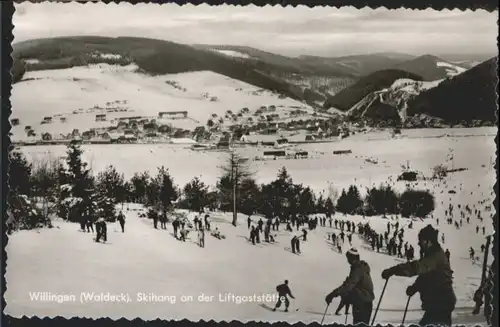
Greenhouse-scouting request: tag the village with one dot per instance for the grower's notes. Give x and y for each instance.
(265, 126)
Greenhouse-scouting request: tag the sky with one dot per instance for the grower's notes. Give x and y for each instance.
(288, 31)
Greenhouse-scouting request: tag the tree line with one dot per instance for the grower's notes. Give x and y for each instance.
(70, 190)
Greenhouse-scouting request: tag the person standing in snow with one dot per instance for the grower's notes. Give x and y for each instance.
(357, 289)
(102, 230)
(249, 222)
(434, 281)
(121, 220)
(201, 237)
(283, 293)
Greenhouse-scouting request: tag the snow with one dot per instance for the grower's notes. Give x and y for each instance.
(61, 92)
(107, 55)
(232, 53)
(152, 261)
(451, 69)
(32, 61)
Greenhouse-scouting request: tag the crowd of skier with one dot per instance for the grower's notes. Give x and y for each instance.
(434, 281)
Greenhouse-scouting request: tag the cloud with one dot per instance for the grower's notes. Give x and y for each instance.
(289, 30)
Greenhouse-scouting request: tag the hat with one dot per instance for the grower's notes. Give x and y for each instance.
(352, 252)
(428, 233)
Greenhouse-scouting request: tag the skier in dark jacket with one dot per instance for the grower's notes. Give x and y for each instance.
(283, 291)
(121, 220)
(434, 281)
(101, 229)
(357, 289)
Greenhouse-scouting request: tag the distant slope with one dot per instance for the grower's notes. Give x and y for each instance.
(468, 96)
(317, 79)
(430, 68)
(153, 57)
(390, 104)
(361, 65)
(348, 97)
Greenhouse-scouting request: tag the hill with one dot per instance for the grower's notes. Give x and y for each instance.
(322, 79)
(466, 97)
(361, 65)
(430, 68)
(121, 91)
(265, 70)
(390, 104)
(351, 95)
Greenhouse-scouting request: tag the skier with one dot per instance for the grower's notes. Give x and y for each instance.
(253, 233)
(163, 221)
(434, 281)
(201, 238)
(293, 243)
(121, 220)
(358, 288)
(283, 292)
(471, 253)
(175, 225)
(249, 222)
(447, 252)
(304, 234)
(207, 221)
(102, 231)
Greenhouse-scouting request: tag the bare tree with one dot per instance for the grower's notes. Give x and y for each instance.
(237, 171)
(44, 179)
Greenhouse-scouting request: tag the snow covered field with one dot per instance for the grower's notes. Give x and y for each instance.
(62, 91)
(65, 261)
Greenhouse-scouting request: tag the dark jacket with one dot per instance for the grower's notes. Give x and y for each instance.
(358, 286)
(284, 290)
(434, 281)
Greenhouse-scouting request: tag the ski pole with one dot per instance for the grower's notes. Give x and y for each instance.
(324, 314)
(406, 310)
(379, 300)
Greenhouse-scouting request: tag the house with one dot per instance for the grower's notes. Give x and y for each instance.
(172, 114)
(301, 154)
(310, 138)
(46, 137)
(14, 121)
(282, 142)
(31, 133)
(128, 138)
(223, 144)
(150, 127)
(47, 120)
(62, 119)
(164, 129)
(87, 135)
(28, 128)
(271, 130)
(75, 133)
(274, 154)
(100, 117)
(342, 151)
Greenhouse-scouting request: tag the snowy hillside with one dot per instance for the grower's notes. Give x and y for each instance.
(144, 260)
(79, 93)
(232, 53)
(451, 69)
(392, 100)
(161, 266)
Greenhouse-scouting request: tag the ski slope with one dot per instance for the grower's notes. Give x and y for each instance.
(63, 260)
(66, 261)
